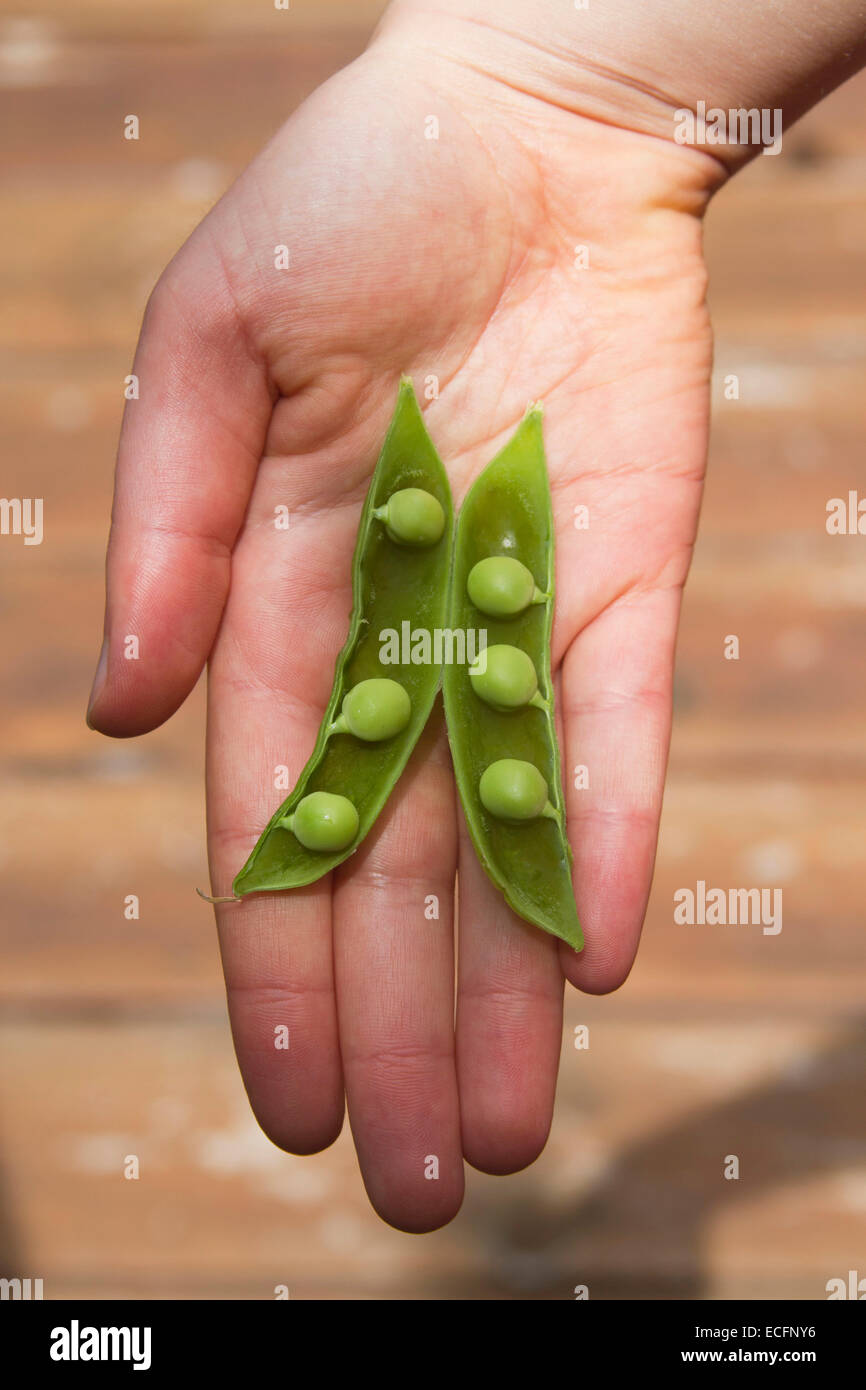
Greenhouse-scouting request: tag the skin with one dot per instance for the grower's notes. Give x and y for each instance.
(263, 387)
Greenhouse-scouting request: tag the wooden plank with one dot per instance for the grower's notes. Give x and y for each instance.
(91, 19)
(629, 1197)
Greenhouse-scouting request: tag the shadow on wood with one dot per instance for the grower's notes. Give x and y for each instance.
(640, 1231)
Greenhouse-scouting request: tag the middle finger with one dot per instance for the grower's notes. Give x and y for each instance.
(394, 968)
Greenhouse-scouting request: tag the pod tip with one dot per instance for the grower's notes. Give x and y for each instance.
(232, 897)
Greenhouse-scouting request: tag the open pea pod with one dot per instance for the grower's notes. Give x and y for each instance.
(400, 576)
(500, 727)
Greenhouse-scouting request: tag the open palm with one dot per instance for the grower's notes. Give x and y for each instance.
(414, 217)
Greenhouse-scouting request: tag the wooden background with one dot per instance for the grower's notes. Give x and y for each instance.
(114, 1033)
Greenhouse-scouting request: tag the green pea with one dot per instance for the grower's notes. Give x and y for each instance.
(323, 821)
(412, 517)
(374, 710)
(502, 587)
(505, 678)
(513, 790)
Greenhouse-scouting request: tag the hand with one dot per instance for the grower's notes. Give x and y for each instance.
(262, 387)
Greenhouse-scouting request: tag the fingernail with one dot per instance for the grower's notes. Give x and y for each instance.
(98, 680)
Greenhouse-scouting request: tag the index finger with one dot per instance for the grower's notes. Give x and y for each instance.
(189, 448)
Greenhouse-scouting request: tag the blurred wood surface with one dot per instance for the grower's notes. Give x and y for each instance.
(724, 1040)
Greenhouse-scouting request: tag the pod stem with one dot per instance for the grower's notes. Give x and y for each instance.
(551, 813)
(232, 897)
(539, 597)
(287, 822)
(539, 701)
(339, 726)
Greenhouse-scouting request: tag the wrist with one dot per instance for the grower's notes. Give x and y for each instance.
(642, 64)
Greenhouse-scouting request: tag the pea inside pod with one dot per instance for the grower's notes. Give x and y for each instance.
(376, 710)
(503, 739)
(502, 586)
(412, 517)
(514, 790)
(504, 677)
(323, 821)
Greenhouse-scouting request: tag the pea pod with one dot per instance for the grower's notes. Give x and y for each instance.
(500, 720)
(400, 574)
